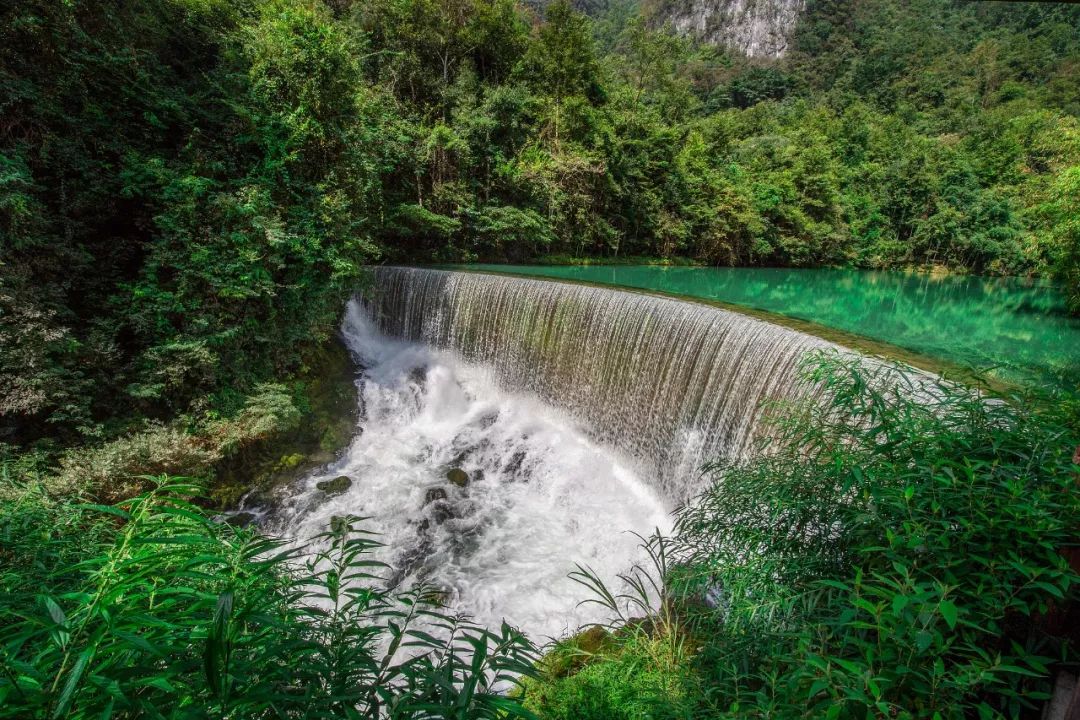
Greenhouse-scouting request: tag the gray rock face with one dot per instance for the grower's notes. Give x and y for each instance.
(336, 486)
(757, 28)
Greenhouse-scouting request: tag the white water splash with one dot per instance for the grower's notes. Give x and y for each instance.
(672, 384)
(541, 496)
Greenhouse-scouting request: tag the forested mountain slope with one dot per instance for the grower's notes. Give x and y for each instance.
(189, 189)
(756, 28)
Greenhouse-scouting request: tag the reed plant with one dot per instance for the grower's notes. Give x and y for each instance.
(901, 551)
(150, 608)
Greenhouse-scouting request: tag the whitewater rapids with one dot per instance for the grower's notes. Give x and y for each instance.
(542, 496)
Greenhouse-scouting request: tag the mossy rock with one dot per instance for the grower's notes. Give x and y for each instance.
(574, 653)
(458, 477)
(336, 437)
(240, 519)
(226, 495)
(327, 397)
(593, 640)
(336, 486)
(287, 462)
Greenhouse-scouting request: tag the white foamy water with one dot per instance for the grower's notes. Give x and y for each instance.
(542, 496)
(672, 384)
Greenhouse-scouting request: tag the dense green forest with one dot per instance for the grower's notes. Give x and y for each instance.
(190, 189)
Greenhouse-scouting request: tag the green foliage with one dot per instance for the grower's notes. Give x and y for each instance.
(188, 190)
(562, 63)
(634, 679)
(644, 669)
(117, 469)
(187, 194)
(165, 613)
(901, 552)
(1064, 216)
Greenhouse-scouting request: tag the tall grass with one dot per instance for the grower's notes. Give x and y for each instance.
(900, 554)
(151, 609)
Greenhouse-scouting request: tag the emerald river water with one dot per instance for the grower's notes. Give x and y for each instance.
(1013, 330)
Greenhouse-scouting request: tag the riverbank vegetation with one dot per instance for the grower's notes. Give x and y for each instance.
(190, 189)
(902, 553)
(152, 609)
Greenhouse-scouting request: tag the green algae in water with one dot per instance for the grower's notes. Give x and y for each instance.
(1013, 329)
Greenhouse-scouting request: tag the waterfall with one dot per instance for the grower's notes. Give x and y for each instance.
(671, 384)
(579, 415)
(540, 497)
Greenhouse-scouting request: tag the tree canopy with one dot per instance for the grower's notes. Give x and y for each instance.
(188, 189)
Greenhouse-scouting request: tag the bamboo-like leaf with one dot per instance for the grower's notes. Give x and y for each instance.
(71, 684)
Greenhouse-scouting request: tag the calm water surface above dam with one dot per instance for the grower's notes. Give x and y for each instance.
(1013, 329)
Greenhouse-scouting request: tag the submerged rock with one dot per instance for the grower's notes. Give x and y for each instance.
(434, 495)
(458, 477)
(418, 375)
(412, 561)
(513, 465)
(468, 448)
(443, 511)
(240, 519)
(488, 419)
(336, 486)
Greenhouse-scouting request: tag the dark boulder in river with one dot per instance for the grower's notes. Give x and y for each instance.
(458, 477)
(434, 495)
(336, 486)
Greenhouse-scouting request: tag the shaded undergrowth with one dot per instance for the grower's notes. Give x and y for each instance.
(902, 551)
(150, 609)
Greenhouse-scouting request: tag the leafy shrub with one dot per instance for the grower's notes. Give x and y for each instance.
(269, 410)
(632, 679)
(1064, 212)
(898, 556)
(118, 469)
(169, 614)
(643, 670)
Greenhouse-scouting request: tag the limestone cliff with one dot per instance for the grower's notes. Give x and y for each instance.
(758, 28)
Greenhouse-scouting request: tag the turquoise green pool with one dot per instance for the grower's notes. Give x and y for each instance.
(1013, 329)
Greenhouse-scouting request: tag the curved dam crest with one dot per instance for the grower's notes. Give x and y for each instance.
(511, 429)
(671, 384)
